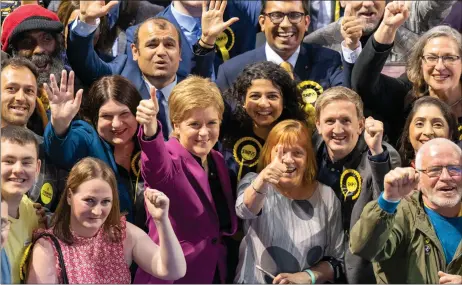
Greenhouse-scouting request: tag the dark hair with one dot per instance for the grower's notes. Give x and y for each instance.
(20, 62)
(65, 9)
(405, 148)
(305, 4)
(109, 87)
(85, 170)
(291, 96)
(161, 23)
(19, 135)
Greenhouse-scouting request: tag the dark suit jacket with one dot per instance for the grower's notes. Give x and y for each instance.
(314, 63)
(241, 36)
(88, 66)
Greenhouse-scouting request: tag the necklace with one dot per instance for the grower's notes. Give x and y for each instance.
(457, 102)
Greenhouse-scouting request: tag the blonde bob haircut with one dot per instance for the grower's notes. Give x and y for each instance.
(290, 133)
(339, 93)
(193, 92)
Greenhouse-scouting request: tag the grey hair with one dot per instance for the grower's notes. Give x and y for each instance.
(436, 141)
(414, 63)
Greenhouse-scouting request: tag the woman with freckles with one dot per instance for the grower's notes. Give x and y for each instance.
(107, 132)
(97, 244)
(429, 118)
(434, 68)
(292, 223)
(192, 175)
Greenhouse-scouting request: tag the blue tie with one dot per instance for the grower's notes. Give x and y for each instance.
(162, 116)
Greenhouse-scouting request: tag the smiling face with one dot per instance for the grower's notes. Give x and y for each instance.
(445, 190)
(369, 11)
(199, 132)
(90, 205)
(158, 52)
(428, 123)
(116, 124)
(294, 158)
(20, 168)
(284, 38)
(442, 77)
(263, 102)
(340, 128)
(19, 94)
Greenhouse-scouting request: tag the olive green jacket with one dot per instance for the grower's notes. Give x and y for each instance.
(403, 246)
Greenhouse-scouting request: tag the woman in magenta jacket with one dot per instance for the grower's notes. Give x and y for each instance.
(192, 175)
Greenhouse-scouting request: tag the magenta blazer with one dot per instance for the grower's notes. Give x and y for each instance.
(170, 168)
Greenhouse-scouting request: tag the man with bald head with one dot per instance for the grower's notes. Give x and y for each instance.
(416, 224)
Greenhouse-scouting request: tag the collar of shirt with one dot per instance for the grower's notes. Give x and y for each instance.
(166, 90)
(271, 55)
(185, 21)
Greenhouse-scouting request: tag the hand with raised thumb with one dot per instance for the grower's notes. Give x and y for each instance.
(146, 114)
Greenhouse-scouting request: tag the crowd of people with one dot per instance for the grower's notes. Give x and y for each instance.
(214, 142)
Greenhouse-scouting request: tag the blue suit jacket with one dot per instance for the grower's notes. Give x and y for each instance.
(314, 62)
(241, 36)
(88, 66)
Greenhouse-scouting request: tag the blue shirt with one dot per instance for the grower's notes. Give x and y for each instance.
(6, 268)
(448, 230)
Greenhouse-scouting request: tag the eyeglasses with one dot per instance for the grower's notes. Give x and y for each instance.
(447, 59)
(278, 17)
(5, 224)
(435, 171)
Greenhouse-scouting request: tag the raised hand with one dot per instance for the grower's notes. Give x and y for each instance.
(157, 204)
(373, 135)
(146, 114)
(92, 10)
(449, 278)
(212, 21)
(63, 105)
(274, 171)
(399, 183)
(396, 13)
(351, 28)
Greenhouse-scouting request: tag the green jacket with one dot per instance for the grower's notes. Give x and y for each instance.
(403, 246)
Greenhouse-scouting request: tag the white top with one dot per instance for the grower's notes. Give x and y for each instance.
(288, 235)
(271, 55)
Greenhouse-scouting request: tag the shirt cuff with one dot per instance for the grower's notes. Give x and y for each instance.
(382, 157)
(83, 29)
(380, 47)
(388, 206)
(349, 55)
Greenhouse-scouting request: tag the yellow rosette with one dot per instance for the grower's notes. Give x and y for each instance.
(246, 152)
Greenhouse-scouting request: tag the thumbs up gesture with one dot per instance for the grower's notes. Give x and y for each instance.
(351, 28)
(274, 171)
(146, 114)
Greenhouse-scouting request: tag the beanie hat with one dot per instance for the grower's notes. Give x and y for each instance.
(26, 18)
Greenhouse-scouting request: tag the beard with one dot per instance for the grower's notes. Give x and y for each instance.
(443, 202)
(55, 63)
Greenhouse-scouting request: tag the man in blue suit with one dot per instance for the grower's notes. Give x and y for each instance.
(232, 41)
(154, 54)
(284, 24)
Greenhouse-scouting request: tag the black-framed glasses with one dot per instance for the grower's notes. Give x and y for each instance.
(431, 59)
(435, 171)
(278, 17)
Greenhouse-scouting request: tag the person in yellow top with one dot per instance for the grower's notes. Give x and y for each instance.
(20, 167)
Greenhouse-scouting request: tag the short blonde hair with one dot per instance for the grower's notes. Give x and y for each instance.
(194, 92)
(336, 94)
(289, 133)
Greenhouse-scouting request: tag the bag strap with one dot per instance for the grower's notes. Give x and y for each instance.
(27, 254)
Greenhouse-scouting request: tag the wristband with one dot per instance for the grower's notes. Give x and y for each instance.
(253, 187)
(313, 277)
(207, 44)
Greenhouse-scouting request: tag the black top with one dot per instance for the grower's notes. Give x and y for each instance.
(218, 196)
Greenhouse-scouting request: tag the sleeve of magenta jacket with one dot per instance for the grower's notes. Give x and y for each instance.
(156, 162)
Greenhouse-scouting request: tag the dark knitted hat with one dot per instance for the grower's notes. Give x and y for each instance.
(27, 18)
